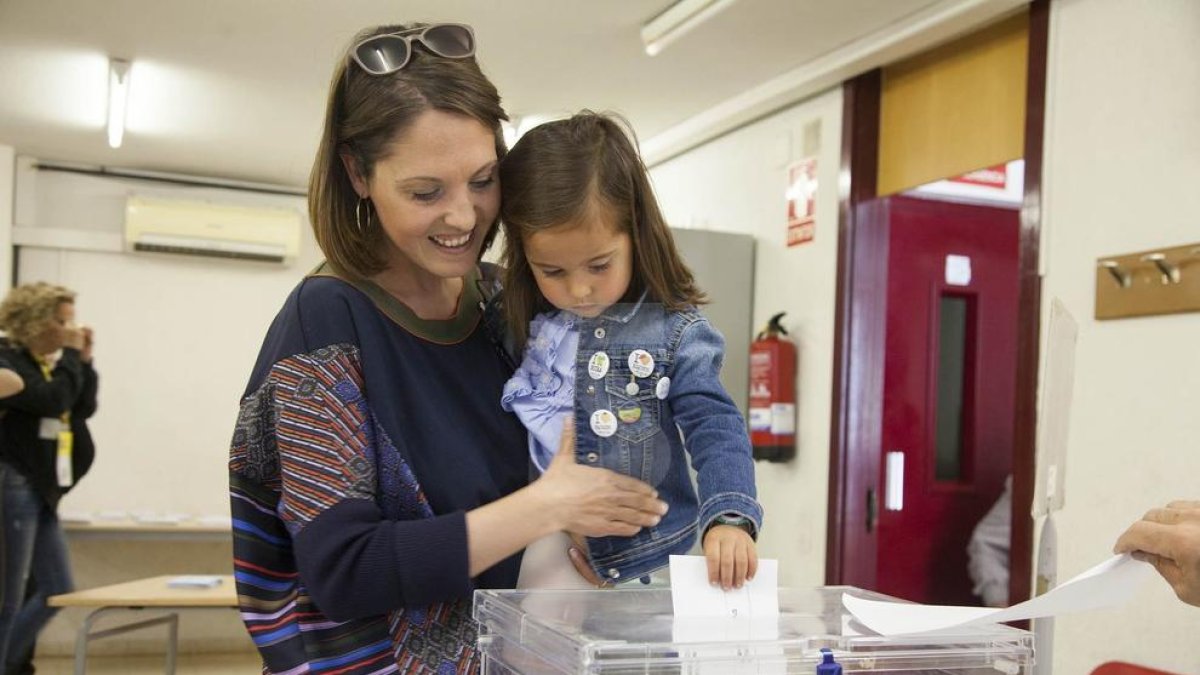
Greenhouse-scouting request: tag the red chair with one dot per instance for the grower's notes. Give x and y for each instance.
(1122, 668)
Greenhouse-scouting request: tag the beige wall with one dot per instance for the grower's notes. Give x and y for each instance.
(8, 160)
(737, 184)
(1122, 168)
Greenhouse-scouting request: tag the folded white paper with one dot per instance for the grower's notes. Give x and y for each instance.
(692, 595)
(195, 581)
(1110, 584)
(722, 632)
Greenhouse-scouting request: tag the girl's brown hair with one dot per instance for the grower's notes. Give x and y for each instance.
(554, 175)
(28, 309)
(364, 115)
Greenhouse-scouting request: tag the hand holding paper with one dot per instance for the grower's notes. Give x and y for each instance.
(693, 595)
(1169, 539)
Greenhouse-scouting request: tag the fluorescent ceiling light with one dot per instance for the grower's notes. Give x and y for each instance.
(678, 19)
(118, 99)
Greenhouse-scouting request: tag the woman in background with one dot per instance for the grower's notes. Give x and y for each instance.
(46, 449)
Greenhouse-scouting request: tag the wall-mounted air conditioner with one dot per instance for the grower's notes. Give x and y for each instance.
(213, 230)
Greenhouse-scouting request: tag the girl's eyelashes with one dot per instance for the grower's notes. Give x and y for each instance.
(601, 267)
(552, 273)
(483, 183)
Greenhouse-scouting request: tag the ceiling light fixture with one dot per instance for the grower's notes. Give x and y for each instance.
(678, 19)
(118, 99)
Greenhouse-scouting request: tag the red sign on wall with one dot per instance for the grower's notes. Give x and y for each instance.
(993, 176)
(802, 201)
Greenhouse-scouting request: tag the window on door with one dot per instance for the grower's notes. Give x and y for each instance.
(955, 380)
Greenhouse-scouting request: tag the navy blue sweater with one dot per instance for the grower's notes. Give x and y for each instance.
(365, 435)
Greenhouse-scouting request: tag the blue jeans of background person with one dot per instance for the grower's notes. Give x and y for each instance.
(32, 545)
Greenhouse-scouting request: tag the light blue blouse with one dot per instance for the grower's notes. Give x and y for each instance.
(542, 390)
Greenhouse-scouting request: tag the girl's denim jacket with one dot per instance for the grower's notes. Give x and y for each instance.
(678, 402)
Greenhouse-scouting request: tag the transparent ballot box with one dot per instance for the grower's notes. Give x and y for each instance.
(635, 631)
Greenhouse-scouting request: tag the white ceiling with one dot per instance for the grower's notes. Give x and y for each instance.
(236, 88)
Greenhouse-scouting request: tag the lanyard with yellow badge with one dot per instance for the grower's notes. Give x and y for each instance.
(58, 428)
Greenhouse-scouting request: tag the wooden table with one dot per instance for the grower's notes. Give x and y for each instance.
(152, 594)
(129, 528)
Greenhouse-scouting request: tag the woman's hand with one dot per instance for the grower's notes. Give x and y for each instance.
(73, 336)
(596, 502)
(732, 556)
(85, 354)
(1169, 539)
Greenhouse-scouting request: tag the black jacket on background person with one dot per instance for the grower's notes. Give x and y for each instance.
(71, 387)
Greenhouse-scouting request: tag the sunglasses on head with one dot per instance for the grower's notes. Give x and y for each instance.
(385, 54)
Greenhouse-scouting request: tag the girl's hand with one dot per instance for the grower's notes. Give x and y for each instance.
(732, 556)
(596, 502)
(578, 553)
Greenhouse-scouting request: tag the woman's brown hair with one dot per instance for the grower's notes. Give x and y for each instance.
(554, 175)
(364, 115)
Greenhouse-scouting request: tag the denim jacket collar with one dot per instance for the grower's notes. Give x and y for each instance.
(623, 312)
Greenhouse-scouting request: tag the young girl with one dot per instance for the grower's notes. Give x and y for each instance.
(605, 307)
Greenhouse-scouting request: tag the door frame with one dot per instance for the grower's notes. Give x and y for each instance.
(856, 415)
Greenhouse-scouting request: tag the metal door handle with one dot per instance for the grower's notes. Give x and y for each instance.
(893, 494)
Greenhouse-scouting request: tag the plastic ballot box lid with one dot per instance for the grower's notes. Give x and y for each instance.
(635, 631)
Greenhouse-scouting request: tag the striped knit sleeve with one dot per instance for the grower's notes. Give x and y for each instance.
(354, 561)
(286, 625)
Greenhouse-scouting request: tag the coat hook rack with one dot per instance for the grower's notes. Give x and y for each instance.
(1161, 281)
(1114, 268)
(1170, 273)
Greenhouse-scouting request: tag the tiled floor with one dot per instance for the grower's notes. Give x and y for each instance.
(188, 664)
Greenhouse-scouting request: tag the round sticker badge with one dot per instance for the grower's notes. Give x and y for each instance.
(641, 363)
(604, 423)
(598, 365)
(630, 415)
(662, 388)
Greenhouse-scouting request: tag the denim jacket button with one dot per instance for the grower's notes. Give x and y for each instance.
(592, 457)
(599, 333)
(591, 389)
(614, 573)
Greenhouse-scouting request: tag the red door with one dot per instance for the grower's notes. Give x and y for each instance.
(948, 391)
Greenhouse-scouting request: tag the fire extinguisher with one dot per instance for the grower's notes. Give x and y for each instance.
(773, 394)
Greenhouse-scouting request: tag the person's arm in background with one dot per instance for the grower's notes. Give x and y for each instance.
(1169, 539)
(10, 382)
(60, 393)
(85, 404)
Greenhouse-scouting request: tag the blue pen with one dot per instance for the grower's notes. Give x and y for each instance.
(828, 666)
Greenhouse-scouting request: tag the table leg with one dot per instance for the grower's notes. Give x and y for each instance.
(87, 635)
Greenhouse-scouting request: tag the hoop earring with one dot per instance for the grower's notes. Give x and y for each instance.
(358, 215)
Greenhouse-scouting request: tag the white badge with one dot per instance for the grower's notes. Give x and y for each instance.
(48, 431)
(604, 423)
(641, 363)
(598, 365)
(62, 469)
(662, 388)
(632, 389)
